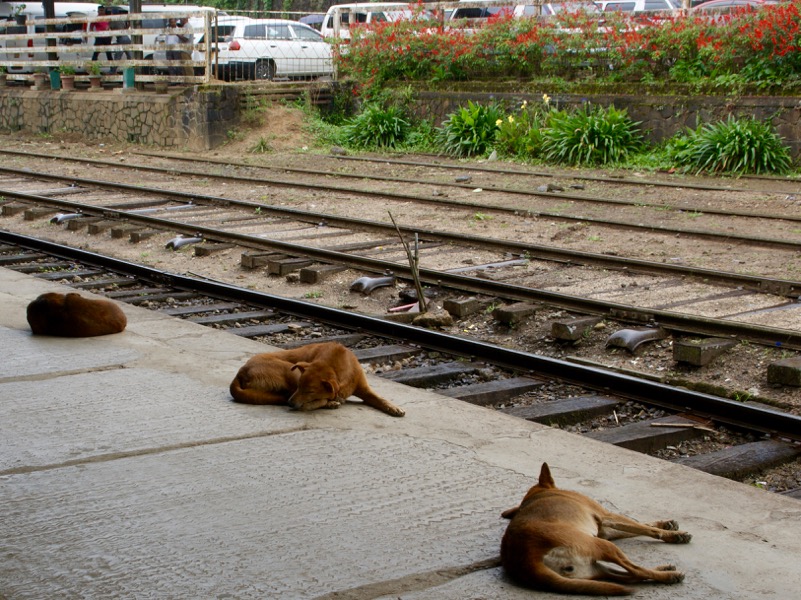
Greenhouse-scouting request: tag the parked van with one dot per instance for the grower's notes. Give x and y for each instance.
(337, 22)
(13, 18)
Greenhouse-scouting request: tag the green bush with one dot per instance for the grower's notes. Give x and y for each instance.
(471, 130)
(734, 146)
(376, 127)
(590, 136)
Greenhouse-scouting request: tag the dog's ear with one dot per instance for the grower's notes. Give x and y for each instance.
(508, 514)
(300, 366)
(331, 386)
(546, 480)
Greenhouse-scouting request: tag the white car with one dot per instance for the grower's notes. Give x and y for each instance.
(637, 6)
(268, 49)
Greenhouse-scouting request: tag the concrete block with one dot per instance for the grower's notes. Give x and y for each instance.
(785, 372)
(700, 353)
(461, 307)
(572, 330)
(514, 313)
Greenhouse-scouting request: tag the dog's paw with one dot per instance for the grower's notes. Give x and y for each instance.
(668, 525)
(674, 577)
(333, 404)
(395, 411)
(678, 537)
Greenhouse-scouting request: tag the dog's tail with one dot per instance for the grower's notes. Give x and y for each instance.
(240, 392)
(541, 577)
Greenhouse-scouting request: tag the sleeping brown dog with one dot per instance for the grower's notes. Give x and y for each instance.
(314, 376)
(72, 315)
(557, 539)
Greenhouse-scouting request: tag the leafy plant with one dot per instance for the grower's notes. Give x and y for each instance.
(94, 69)
(590, 136)
(471, 130)
(520, 135)
(66, 70)
(735, 146)
(376, 127)
(261, 147)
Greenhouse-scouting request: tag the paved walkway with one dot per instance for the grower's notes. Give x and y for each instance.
(127, 472)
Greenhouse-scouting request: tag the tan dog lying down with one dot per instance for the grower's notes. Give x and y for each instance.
(556, 538)
(313, 376)
(72, 315)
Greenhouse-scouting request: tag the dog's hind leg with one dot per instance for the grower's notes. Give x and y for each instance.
(608, 552)
(615, 527)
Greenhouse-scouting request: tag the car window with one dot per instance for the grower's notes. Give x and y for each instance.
(255, 32)
(304, 33)
(224, 33)
(620, 7)
(278, 32)
(656, 5)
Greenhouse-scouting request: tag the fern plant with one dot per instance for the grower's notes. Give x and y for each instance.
(734, 146)
(471, 130)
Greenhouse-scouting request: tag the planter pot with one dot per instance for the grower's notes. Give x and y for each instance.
(39, 81)
(3, 80)
(94, 82)
(68, 82)
(20, 19)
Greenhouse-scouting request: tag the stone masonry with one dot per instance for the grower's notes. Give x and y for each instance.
(195, 118)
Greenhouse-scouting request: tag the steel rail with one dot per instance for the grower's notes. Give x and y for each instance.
(777, 286)
(690, 185)
(725, 237)
(667, 319)
(493, 188)
(768, 421)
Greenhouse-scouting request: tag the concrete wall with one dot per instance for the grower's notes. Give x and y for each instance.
(660, 116)
(197, 118)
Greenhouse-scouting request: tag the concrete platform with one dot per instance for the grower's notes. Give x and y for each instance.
(127, 472)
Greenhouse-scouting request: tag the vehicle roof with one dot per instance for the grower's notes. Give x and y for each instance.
(376, 5)
(721, 3)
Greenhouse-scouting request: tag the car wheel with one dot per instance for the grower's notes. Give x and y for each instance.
(265, 69)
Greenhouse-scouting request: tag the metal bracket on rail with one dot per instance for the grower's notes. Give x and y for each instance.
(180, 241)
(366, 285)
(630, 339)
(64, 217)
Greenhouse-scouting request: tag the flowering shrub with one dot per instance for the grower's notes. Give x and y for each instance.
(763, 45)
(520, 135)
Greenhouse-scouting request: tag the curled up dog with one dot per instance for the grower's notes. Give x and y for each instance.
(72, 315)
(557, 539)
(314, 376)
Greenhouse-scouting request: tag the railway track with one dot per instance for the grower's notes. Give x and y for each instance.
(700, 301)
(648, 416)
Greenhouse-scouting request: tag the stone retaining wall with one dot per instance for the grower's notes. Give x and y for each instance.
(193, 118)
(660, 116)
(199, 118)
